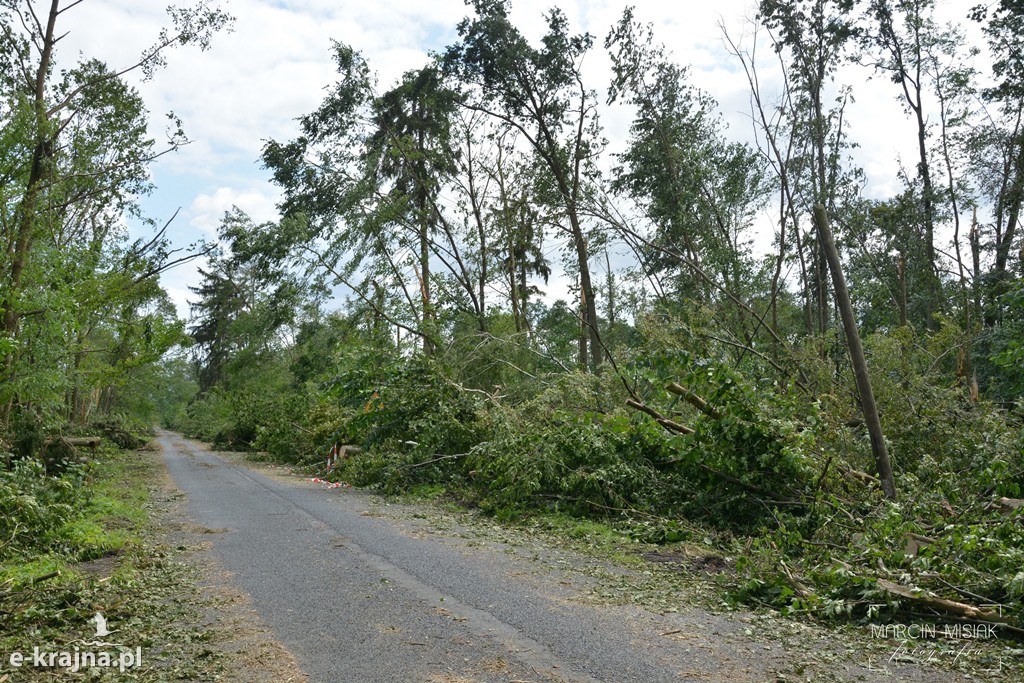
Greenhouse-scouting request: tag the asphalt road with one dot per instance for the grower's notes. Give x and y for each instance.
(361, 594)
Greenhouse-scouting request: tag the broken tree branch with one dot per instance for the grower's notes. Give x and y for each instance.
(668, 424)
(694, 400)
(959, 609)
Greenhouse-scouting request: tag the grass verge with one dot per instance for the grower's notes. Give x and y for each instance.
(108, 556)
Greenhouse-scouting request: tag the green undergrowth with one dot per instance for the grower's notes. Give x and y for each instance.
(82, 543)
(90, 510)
(778, 477)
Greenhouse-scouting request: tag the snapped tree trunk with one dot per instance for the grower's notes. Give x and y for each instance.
(860, 366)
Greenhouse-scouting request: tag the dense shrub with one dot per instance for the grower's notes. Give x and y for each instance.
(589, 464)
(35, 506)
(949, 535)
(299, 427)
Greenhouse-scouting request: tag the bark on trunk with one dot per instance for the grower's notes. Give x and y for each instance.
(860, 366)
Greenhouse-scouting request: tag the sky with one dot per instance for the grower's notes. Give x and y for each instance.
(274, 66)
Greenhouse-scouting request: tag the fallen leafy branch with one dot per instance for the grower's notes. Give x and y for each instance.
(942, 605)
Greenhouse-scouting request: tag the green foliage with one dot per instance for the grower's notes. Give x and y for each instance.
(83, 314)
(719, 400)
(933, 426)
(833, 570)
(204, 416)
(568, 446)
(1005, 345)
(955, 457)
(66, 515)
(588, 465)
(35, 507)
(406, 405)
(540, 92)
(147, 586)
(747, 448)
(245, 299)
(700, 190)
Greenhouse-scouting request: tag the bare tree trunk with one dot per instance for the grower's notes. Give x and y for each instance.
(927, 191)
(428, 345)
(611, 298)
(587, 294)
(513, 289)
(481, 228)
(860, 366)
(1016, 198)
(582, 355)
(975, 240)
(524, 299)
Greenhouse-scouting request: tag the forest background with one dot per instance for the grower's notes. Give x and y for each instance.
(686, 387)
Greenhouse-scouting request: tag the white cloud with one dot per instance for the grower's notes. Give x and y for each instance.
(207, 210)
(177, 290)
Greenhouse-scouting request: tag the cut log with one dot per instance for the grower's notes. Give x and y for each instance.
(76, 441)
(58, 454)
(120, 436)
(1010, 504)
